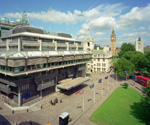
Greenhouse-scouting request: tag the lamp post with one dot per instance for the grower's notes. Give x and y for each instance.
(126, 74)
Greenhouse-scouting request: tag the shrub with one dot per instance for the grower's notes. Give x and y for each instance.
(125, 85)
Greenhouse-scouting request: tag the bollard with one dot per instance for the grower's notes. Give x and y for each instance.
(41, 106)
(13, 111)
(27, 110)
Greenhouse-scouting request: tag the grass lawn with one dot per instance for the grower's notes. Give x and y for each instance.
(116, 109)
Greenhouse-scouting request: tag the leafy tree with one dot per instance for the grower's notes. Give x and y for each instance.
(124, 65)
(144, 63)
(126, 47)
(134, 57)
(146, 104)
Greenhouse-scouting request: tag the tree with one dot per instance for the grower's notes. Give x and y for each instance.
(145, 102)
(126, 47)
(124, 65)
(134, 57)
(144, 63)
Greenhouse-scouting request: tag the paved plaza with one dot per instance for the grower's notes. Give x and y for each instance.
(44, 113)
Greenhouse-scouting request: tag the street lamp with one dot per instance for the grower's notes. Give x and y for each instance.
(126, 74)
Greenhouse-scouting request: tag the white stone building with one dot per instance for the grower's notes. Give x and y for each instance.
(101, 59)
(139, 45)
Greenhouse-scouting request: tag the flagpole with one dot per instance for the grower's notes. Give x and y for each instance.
(94, 95)
(108, 84)
(116, 77)
(102, 90)
(83, 101)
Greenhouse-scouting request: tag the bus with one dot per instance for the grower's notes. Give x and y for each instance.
(143, 80)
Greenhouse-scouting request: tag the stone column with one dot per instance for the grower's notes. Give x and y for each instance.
(42, 89)
(7, 45)
(40, 42)
(19, 95)
(19, 44)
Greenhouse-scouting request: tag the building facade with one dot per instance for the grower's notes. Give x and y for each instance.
(113, 43)
(139, 45)
(89, 44)
(101, 62)
(32, 63)
(101, 59)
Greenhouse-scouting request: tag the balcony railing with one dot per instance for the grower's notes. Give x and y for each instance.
(61, 45)
(24, 81)
(5, 88)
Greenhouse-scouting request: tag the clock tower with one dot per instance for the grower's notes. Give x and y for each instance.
(113, 43)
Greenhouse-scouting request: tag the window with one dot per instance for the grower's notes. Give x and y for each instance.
(13, 47)
(103, 64)
(30, 48)
(98, 64)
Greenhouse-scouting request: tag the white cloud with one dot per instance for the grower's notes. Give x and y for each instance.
(136, 34)
(141, 28)
(99, 34)
(13, 15)
(135, 16)
(102, 23)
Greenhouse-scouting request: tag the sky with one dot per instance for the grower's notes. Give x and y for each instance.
(84, 18)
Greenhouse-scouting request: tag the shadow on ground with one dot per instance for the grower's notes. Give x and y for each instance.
(137, 112)
(29, 123)
(4, 121)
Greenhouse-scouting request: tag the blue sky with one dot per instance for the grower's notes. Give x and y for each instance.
(82, 18)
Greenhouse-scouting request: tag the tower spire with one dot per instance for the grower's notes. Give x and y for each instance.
(113, 32)
(139, 37)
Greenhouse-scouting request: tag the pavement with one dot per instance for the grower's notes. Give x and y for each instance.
(44, 113)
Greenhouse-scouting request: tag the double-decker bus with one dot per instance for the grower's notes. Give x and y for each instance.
(143, 80)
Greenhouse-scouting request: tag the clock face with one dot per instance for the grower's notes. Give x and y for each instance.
(112, 38)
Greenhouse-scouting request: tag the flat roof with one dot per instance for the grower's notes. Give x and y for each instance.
(46, 36)
(70, 84)
(30, 54)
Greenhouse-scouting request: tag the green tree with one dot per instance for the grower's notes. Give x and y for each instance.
(124, 65)
(134, 57)
(145, 102)
(126, 47)
(144, 63)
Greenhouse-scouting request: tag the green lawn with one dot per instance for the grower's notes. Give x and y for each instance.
(116, 110)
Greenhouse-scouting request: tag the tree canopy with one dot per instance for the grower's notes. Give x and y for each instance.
(124, 65)
(144, 63)
(146, 104)
(135, 57)
(126, 47)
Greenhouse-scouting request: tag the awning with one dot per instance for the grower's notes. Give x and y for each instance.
(68, 84)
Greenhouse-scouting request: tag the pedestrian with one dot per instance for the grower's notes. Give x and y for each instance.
(51, 102)
(61, 101)
(56, 100)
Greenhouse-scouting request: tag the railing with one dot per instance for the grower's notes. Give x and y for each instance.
(44, 86)
(61, 44)
(72, 45)
(24, 81)
(5, 88)
(48, 44)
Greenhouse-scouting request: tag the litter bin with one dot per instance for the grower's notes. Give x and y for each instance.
(63, 118)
